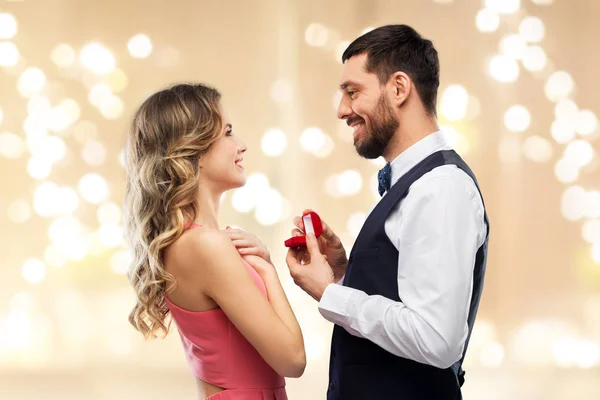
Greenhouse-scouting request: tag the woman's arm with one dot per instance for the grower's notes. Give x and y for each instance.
(214, 265)
(276, 294)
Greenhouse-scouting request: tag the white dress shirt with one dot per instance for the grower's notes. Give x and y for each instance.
(437, 228)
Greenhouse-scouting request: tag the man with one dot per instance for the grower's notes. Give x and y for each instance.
(405, 301)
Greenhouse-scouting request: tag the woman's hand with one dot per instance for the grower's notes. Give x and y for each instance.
(248, 244)
(261, 266)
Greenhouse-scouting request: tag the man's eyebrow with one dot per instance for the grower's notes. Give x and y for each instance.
(347, 83)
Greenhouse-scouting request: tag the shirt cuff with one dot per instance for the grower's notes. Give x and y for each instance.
(334, 303)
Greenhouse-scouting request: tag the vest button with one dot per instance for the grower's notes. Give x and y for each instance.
(332, 352)
(330, 387)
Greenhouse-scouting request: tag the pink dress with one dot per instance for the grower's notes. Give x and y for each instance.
(219, 354)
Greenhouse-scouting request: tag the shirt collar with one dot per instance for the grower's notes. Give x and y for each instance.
(416, 153)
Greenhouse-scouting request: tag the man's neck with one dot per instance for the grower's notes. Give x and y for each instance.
(407, 135)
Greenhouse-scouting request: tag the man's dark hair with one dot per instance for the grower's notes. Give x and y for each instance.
(393, 48)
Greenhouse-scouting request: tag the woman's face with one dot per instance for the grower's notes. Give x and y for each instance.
(221, 167)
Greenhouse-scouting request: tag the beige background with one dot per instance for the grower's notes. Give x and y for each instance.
(63, 328)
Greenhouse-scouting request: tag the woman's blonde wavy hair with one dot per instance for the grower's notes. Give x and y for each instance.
(170, 131)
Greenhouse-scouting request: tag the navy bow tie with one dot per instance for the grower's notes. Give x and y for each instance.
(384, 176)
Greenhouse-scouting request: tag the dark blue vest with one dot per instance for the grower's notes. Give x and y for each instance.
(360, 369)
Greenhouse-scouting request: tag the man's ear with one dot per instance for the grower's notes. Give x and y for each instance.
(400, 86)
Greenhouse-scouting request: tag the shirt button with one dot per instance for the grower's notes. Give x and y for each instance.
(330, 387)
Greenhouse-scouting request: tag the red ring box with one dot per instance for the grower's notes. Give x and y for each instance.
(312, 224)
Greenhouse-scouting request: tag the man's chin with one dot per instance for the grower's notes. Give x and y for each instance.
(366, 152)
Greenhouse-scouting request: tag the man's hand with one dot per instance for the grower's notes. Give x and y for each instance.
(314, 276)
(329, 244)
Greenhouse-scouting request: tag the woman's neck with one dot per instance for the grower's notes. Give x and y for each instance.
(207, 208)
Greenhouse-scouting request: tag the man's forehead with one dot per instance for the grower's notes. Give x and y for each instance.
(354, 71)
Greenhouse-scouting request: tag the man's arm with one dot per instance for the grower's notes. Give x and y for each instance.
(441, 226)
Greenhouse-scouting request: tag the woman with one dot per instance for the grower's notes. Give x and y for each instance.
(238, 330)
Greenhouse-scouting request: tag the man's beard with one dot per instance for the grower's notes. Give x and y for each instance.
(375, 138)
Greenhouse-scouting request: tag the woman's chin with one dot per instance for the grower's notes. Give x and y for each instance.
(239, 182)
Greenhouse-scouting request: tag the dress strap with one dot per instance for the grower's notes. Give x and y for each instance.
(191, 225)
